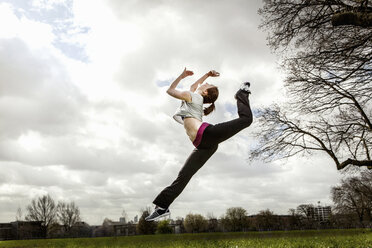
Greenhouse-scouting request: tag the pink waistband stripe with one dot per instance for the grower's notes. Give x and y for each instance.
(199, 134)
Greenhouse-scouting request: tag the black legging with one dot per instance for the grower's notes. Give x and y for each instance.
(212, 136)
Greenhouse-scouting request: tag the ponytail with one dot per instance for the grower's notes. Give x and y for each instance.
(209, 109)
(210, 97)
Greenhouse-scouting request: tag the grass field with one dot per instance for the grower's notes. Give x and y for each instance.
(324, 238)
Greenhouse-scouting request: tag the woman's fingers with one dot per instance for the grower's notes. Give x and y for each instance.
(186, 73)
(213, 73)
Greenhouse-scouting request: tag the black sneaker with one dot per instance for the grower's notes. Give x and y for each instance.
(158, 213)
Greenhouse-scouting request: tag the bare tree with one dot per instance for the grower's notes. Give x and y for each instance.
(266, 220)
(295, 219)
(107, 228)
(306, 211)
(146, 227)
(306, 215)
(42, 209)
(68, 214)
(195, 223)
(353, 195)
(329, 83)
(236, 219)
(366, 184)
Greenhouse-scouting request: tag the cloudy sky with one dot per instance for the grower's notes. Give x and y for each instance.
(84, 115)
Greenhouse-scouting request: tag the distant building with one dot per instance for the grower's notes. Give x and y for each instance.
(177, 226)
(123, 229)
(6, 232)
(21, 230)
(122, 220)
(321, 213)
(81, 229)
(318, 213)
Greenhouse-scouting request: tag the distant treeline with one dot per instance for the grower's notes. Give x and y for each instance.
(352, 208)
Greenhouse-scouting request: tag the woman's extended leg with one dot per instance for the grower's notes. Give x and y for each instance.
(218, 133)
(194, 162)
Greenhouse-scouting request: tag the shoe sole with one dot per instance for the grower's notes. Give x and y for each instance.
(156, 218)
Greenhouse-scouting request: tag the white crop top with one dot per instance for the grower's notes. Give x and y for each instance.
(190, 109)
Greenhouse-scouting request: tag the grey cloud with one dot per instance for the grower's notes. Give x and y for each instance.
(65, 152)
(218, 34)
(35, 94)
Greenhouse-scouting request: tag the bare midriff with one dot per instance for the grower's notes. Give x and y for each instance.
(192, 126)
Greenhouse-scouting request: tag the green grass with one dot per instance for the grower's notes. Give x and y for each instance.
(355, 238)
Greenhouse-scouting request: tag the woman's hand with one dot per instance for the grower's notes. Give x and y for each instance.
(213, 73)
(186, 73)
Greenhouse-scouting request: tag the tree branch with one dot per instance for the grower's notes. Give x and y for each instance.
(354, 162)
(360, 19)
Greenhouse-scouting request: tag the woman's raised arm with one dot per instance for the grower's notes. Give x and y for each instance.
(195, 85)
(182, 95)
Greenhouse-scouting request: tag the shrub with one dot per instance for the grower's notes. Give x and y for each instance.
(145, 227)
(163, 227)
(195, 223)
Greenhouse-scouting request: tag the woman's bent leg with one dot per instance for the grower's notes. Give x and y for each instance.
(193, 163)
(218, 133)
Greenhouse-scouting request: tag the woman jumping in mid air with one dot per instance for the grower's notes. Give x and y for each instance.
(205, 137)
